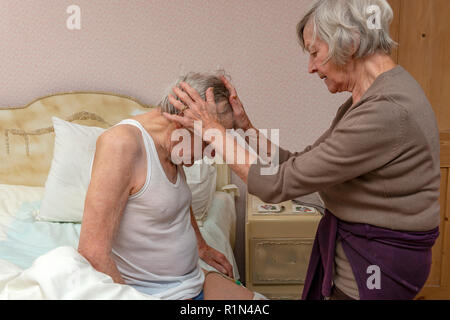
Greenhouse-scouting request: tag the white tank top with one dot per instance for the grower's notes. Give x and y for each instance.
(155, 247)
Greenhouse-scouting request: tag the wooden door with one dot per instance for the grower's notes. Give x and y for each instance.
(422, 29)
(438, 283)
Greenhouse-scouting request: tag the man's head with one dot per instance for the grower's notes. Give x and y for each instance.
(201, 82)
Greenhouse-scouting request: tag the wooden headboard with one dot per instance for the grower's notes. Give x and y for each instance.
(27, 134)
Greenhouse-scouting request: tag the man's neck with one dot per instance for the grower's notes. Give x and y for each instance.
(160, 130)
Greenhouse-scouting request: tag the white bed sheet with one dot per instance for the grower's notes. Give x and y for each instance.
(219, 229)
(23, 240)
(62, 274)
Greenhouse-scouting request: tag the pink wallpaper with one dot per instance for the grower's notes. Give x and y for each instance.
(137, 48)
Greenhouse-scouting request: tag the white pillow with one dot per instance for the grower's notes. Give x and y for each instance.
(201, 179)
(69, 176)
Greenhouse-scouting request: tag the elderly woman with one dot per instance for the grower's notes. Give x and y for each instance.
(376, 168)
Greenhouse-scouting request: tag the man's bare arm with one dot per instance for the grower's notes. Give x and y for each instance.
(111, 184)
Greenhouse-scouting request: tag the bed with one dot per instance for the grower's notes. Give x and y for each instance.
(38, 256)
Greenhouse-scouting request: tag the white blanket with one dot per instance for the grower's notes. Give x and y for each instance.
(61, 274)
(39, 260)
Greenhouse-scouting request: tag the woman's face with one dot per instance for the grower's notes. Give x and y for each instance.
(335, 77)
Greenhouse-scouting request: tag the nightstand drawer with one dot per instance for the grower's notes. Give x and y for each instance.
(279, 260)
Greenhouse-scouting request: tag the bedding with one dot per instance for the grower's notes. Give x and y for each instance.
(69, 176)
(201, 179)
(61, 274)
(29, 246)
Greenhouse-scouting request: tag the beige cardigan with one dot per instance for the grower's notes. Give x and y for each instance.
(378, 163)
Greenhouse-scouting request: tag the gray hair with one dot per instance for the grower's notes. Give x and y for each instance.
(200, 82)
(345, 25)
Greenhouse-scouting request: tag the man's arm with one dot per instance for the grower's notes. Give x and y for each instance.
(208, 254)
(111, 184)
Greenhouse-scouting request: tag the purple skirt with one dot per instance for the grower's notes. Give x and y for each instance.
(387, 264)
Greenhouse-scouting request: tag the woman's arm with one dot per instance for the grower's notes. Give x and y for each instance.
(259, 143)
(229, 150)
(368, 138)
(210, 130)
(111, 184)
(364, 140)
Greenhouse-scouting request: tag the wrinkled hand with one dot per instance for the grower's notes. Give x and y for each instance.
(241, 120)
(198, 109)
(215, 259)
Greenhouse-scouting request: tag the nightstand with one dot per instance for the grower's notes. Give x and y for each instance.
(277, 250)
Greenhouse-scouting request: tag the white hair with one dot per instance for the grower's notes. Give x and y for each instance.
(347, 26)
(200, 82)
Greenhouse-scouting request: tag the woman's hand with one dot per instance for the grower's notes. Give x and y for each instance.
(241, 120)
(215, 259)
(193, 108)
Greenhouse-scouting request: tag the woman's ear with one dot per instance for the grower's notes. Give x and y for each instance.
(354, 48)
(177, 125)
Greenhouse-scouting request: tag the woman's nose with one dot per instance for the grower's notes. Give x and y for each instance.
(311, 67)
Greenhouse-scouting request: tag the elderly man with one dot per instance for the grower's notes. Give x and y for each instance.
(376, 168)
(138, 226)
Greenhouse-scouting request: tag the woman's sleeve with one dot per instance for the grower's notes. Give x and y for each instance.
(284, 155)
(366, 139)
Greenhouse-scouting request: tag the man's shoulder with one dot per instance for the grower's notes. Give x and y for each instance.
(122, 138)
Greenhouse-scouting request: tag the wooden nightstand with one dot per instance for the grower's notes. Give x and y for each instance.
(277, 250)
